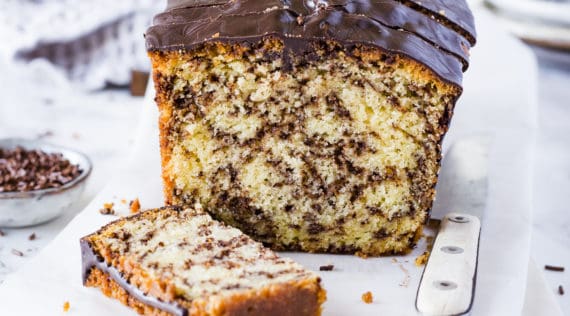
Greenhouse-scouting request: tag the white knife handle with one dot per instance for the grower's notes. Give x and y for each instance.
(447, 286)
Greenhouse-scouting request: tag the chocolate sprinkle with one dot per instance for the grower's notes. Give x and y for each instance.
(560, 290)
(17, 253)
(328, 267)
(32, 236)
(107, 209)
(24, 170)
(554, 268)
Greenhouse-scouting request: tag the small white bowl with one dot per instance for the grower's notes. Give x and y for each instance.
(19, 209)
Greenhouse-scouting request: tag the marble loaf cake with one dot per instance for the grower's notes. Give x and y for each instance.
(175, 261)
(309, 125)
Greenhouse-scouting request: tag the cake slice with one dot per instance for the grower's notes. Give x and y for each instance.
(175, 261)
(309, 125)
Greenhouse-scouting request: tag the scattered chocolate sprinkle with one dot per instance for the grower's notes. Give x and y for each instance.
(554, 268)
(66, 306)
(560, 290)
(17, 253)
(328, 267)
(135, 205)
(24, 170)
(2, 233)
(32, 236)
(107, 209)
(367, 297)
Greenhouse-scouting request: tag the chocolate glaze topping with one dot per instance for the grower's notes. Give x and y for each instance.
(454, 12)
(437, 33)
(90, 261)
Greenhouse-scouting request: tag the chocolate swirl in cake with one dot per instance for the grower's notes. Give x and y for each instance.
(309, 125)
(437, 33)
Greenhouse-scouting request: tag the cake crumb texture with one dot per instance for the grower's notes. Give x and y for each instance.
(367, 297)
(336, 151)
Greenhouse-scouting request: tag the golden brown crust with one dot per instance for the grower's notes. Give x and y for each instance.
(286, 299)
(294, 299)
(110, 288)
(161, 100)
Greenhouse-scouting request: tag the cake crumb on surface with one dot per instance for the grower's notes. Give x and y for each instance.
(32, 236)
(17, 253)
(361, 255)
(66, 306)
(107, 209)
(328, 267)
(367, 297)
(422, 259)
(2, 233)
(135, 205)
(406, 281)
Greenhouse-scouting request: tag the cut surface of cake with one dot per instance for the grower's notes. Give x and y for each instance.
(179, 261)
(309, 125)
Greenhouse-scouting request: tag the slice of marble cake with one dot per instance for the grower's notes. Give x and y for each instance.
(175, 261)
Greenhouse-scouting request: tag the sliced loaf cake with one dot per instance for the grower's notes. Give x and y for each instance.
(175, 261)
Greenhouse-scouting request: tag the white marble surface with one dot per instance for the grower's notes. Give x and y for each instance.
(551, 234)
(102, 125)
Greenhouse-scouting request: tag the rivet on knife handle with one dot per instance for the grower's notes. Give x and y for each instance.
(447, 286)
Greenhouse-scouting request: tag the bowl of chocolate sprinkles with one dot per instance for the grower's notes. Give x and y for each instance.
(38, 181)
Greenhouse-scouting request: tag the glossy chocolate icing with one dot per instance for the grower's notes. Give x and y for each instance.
(436, 33)
(90, 260)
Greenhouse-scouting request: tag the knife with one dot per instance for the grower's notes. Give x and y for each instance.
(447, 286)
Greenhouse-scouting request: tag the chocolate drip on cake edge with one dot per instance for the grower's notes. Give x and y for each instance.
(328, 21)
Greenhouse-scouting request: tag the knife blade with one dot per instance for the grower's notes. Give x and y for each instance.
(448, 282)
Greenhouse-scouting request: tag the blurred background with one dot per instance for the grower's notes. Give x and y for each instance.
(73, 72)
